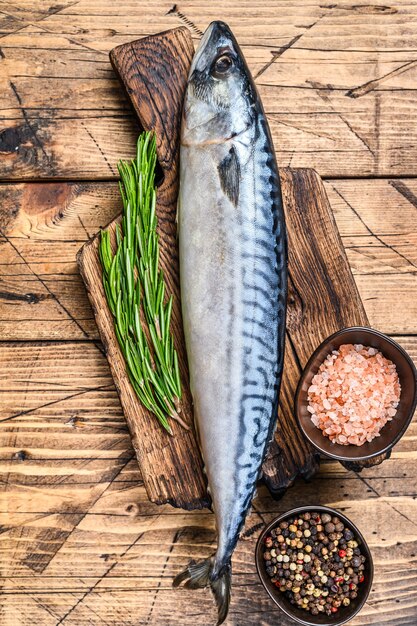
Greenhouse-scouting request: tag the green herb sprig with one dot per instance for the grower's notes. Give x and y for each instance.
(135, 289)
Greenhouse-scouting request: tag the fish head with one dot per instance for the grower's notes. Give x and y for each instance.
(221, 96)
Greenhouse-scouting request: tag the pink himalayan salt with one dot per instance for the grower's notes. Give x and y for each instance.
(355, 392)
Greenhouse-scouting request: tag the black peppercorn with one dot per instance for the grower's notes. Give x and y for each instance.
(312, 560)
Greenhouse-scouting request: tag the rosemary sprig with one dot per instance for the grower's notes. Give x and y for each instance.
(134, 285)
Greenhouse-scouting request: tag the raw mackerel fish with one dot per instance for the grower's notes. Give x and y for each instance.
(233, 264)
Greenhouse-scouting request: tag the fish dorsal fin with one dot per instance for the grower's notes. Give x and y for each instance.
(229, 174)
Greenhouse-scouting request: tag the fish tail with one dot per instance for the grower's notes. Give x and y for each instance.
(205, 573)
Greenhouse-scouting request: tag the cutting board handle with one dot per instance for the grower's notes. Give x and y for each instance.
(154, 71)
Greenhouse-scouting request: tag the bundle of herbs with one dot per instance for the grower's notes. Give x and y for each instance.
(135, 289)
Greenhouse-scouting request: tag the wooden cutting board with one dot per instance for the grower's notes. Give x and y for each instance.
(323, 296)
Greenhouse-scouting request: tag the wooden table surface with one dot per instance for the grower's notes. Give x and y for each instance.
(80, 544)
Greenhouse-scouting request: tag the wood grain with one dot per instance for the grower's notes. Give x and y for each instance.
(63, 114)
(80, 537)
(72, 503)
(44, 225)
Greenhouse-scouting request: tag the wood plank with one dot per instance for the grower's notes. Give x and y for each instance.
(53, 220)
(42, 292)
(79, 535)
(58, 403)
(65, 115)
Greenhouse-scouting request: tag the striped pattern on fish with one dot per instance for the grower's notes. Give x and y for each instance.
(233, 286)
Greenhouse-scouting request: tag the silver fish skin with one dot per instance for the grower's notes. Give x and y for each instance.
(233, 265)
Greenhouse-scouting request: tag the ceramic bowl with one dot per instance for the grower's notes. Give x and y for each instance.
(392, 432)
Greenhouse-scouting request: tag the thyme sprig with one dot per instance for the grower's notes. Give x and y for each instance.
(135, 289)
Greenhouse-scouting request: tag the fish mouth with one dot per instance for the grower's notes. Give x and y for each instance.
(216, 30)
(220, 28)
(218, 34)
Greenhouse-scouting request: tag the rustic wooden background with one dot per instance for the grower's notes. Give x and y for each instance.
(80, 544)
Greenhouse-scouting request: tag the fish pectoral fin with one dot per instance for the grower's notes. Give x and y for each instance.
(229, 174)
(201, 574)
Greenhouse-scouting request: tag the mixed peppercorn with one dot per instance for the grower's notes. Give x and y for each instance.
(316, 561)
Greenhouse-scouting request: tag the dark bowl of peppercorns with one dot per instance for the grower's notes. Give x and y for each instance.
(315, 565)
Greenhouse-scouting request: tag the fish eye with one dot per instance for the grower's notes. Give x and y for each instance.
(223, 64)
